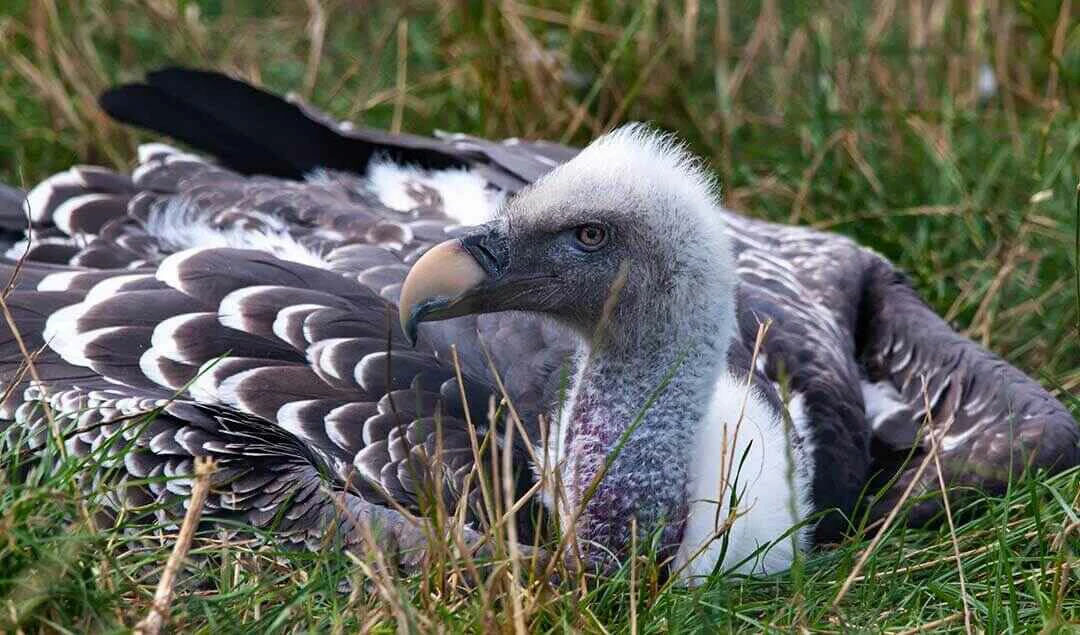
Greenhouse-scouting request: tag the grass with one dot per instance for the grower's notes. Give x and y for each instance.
(945, 135)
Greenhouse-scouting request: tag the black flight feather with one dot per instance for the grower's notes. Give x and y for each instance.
(255, 132)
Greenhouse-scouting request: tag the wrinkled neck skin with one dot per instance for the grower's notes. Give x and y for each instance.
(681, 341)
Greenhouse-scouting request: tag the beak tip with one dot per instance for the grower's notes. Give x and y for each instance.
(435, 286)
(438, 285)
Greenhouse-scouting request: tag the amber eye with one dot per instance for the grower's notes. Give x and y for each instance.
(591, 236)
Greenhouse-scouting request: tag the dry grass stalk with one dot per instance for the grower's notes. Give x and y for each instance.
(658, 55)
(935, 451)
(767, 23)
(160, 606)
(983, 321)
(633, 575)
(727, 451)
(582, 111)
(1061, 572)
(691, 10)
(382, 575)
(533, 60)
(29, 366)
(583, 22)
(401, 83)
(799, 203)
(930, 627)
(316, 29)
(930, 564)
(1001, 23)
(916, 479)
(922, 210)
(1058, 47)
(728, 460)
(513, 546)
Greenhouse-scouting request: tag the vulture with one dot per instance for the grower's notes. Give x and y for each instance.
(358, 325)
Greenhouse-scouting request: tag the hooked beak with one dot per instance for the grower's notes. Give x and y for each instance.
(449, 279)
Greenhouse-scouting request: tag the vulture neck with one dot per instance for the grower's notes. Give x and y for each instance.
(646, 387)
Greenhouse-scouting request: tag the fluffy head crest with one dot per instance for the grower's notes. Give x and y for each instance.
(636, 173)
(637, 149)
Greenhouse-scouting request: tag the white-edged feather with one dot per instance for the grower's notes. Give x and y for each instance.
(37, 200)
(230, 309)
(169, 269)
(62, 215)
(204, 387)
(228, 390)
(150, 365)
(338, 420)
(18, 249)
(286, 315)
(324, 354)
(366, 362)
(111, 286)
(362, 464)
(164, 337)
(289, 417)
(59, 281)
(72, 349)
(61, 331)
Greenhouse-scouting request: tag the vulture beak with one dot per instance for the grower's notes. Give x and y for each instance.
(451, 279)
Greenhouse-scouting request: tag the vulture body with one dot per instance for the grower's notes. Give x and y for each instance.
(248, 310)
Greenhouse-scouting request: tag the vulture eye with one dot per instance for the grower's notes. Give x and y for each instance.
(591, 236)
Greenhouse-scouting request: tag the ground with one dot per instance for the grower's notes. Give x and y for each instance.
(944, 135)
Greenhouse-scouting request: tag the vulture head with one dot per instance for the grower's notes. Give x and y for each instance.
(624, 245)
(621, 237)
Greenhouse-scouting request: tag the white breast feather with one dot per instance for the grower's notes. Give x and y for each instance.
(767, 487)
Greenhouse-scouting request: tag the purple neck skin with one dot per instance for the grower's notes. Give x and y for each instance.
(648, 479)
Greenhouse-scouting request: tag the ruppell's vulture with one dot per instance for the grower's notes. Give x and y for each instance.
(329, 310)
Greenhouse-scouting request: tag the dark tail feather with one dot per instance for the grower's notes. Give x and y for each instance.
(12, 216)
(13, 220)
(255, 132)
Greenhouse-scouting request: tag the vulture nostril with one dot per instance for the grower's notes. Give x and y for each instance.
(489, 249)
(489, 257)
